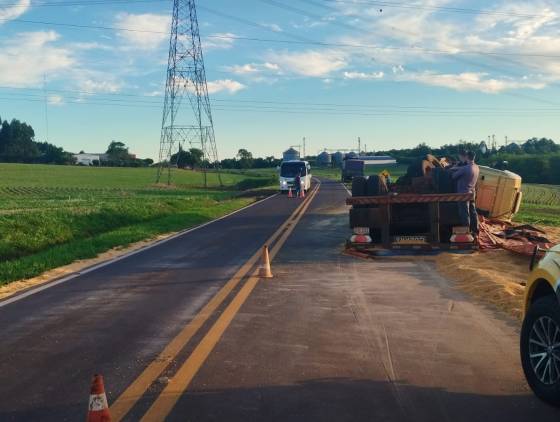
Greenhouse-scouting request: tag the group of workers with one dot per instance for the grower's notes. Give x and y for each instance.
(465, 173)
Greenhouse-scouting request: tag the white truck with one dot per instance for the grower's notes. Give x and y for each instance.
(288, 172)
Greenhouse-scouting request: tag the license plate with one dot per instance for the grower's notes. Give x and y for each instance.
(410, 240)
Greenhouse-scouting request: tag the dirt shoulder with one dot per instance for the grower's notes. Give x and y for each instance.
(497, 277)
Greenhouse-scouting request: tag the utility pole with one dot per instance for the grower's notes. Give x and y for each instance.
(506, 141)
(186, 79)
(304, 147)
(359, 145)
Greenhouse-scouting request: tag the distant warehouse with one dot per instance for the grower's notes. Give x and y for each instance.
(353, 166)
(90, 159)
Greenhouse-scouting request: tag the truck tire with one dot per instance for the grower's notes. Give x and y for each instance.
(442, 181)
(546, 387)
(420, 168)
(376, 185)
(359, 186)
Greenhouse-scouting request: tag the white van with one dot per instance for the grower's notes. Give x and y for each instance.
(288, 172)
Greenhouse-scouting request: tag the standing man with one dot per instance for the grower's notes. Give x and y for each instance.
(297, 183)
(466, 177)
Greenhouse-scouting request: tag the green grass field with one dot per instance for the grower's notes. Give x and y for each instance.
(540, 205)
(53, 215)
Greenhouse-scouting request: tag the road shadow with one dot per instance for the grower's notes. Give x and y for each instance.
(341, 399)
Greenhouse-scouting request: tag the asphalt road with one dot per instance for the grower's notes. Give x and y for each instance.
(116, 320)
(330, 337)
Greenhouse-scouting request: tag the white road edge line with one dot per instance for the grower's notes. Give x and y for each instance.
(56, 282)
(347, 190)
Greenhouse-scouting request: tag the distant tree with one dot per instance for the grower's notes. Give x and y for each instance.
(196, 158)
(17, 142)
(245, 158)
(51, 154)
(229, 163)
(118, 153)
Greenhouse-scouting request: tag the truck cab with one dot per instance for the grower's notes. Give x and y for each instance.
(288, 172)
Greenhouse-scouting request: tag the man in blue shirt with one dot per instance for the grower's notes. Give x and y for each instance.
(466, 177)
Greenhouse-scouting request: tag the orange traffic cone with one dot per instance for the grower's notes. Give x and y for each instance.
(98, 408)
(264, 270)
(290, 194)
(302, 193)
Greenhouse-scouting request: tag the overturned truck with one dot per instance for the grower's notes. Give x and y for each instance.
(421, 210)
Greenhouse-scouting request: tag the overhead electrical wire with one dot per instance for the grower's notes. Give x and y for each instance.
(306, 108)
(79, 3)
(152, 100)
(447, 9)
(298, 39)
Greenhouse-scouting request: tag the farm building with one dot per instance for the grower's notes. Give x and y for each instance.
(88, 159)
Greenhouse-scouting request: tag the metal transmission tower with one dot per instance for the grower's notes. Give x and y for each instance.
(192, 126)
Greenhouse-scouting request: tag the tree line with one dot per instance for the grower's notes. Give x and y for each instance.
(17, 145)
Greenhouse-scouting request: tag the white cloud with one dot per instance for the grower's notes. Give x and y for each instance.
(14, 11)
(470, 81)
(55, 100)
(362, 75)
(272, 26)
(242, 69)
(28, 56)
(309, 63)
(224, 85)
(218, 41)
(271, 66)
(524, 32)
(101, 84)
(155, 27)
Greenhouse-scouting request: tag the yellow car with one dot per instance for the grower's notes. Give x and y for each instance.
(540, 333)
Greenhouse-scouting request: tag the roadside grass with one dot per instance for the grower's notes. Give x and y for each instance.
(184, 216)
(540, 205)
(53, 215)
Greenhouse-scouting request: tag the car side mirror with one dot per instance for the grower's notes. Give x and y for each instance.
(534, 257)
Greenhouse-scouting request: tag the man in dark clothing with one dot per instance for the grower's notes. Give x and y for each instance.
(466, 177)
(297, 184)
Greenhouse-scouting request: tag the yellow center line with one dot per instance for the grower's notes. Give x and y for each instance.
(140, 385)
(180, 382)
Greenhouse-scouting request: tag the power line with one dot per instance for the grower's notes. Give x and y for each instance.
(314, 110)
(299, 40)
(145, 100)
(79, 3)
(438, 8)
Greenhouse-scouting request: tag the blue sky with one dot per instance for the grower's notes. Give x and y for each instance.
(393, 73)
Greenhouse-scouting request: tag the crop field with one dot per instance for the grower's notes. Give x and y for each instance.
(53, 215)
(540, 205)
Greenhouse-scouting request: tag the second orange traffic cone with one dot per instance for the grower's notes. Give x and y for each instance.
(290, 194)
(264, 270)
(98, 410)
(302, 193)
